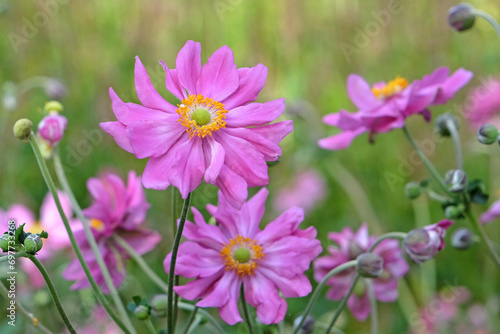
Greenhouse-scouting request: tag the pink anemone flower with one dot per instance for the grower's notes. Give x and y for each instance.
(221, 258)
(483, 105)
(118, 209)
(214, 134)
(350, 246)
(385, 106)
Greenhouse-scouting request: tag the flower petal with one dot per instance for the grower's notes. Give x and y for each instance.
(188, 66)
(172, 82)
(251, 83)
(341, 140)
(214, 159)
(360, 92)
(128, 113)
(232, 186)
(117, 131)
(254, 114)
(262, 294)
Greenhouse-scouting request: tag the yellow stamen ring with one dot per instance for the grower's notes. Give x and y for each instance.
(242, 255)
(201, 116)
(391, 88)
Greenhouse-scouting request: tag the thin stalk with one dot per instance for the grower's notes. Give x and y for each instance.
(190, 307)
(189, 321)
(78, 252)
(53, 293)
(142, 264)
(175, 248)
(321, 284)
(456, 142)
(246, 313)
(34, 320)
(150, 326)
(174, 226)
(435, 196)
(61, 175)
(484, 237)
(490, 19)
(428, 164)
(390, 235)
(196, 323)
(342, 304)
(373, 307)
(407, 304)
(18, 254)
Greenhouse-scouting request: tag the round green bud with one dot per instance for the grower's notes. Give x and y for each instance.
(4, 242)
(451, 212)
(159, 305)
(487, 134)
(413, 190)
(201, 116)
(53, 106)
(141, 312)
(33, 243)
(370, 265)
(242, 255)
(22, 128)
(461, 17)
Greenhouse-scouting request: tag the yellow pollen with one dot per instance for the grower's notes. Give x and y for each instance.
(195, 102)
(96, 224)
(248, 267)
(392, 87)
(35, 321)
(36, 227)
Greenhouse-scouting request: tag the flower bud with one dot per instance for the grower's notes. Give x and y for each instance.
(441, 126)
(53, 107)
(141, 312)
(457, 180)
(52, 127)
(4, 242)
(452, 212)
(159, 305)
(22, 128)
(33, 243)
(487, 134)
(424, 243)
(307, 325)
(370, 265)
(413, 190)
(461, 17)
(462, 238)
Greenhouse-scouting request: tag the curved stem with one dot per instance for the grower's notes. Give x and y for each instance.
(342, 304)
(189, 321)
(490, 19)
(390, 235)
(428, 164)
(171, 275)
(53, 292)
(78, 252)
(484, 237)
(61, 176)
(456, 142)
(18, 254)
(321, 284)
(34, 320)
(190, 307)
(140, 261)
(246, 313)
(150, 326)
(373, 307)
(435, 196)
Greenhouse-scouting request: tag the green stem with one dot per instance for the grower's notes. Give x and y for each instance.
(373, 307)
(321, 284)
(428, 164)
(246, 313)
(61, 176)
(78, 252)
(490, 19)
(190, 320)
(456, 142)
(390, 235)
(174, 226)
(435, 196)
(34, 320)
(175, 248)
(150, 326)
(16, 255)
(484, 237)
(190, 307)
(53, 292)
(342, 304)
(142, 264)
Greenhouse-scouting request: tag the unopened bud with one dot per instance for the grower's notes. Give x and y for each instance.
(487, 134)
(141, 312)
(413, 190)
(462, 238)
(370, 265)
(443, 123)
(307, 326)
(53, 107)
(22, 128)
(452, 212)
(33, 243)
(461, 17)
(4, 242)
(51, 128)
(457, 180)
(159, 305)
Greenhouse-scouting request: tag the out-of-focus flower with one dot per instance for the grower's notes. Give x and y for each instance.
(51, 128)
(385, 106)
(424, 243)
(100, 323)
(491, 214)
(350, 246)
(214, 134)
(483, 105)
(222, 258)
(117, 209)
(308, 189)
(55, 89)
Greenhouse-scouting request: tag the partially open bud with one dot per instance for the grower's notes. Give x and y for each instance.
(53, 107)
(370, 265)
(307, 325)
(141, 312)
(424, 243)
(33, 243)
(457, 180)
(4, 242)
(413, 190)
(22, 128)
(159, 305)
(442, 124)
(462, 238)
(487, 134)
(52, 127)
(461, 17)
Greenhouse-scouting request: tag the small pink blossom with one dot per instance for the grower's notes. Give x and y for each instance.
(222, 257)
(424, 243)
(483, 105)
(350, 246)
(51, 128)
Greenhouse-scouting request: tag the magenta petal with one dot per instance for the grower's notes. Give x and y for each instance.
(492, 213)
(229, 312)
(219, 77)
(155, 174)
(359, 306)
(251, 83)
(348, 121)
(253, 211)
(360, 92)
(117, 131)
(188, 66)
(128, 113)
(214, 159)
(197, 261)
(154, 138)
(255, 113)
(221, 292)
(341, 140)
(286, 224)
(297, 286)
(195, 289)
(146, 92)
(141, 240)
(274, 132)
(452, 84)
(262, 294)
(332, 119)
(233, 186)
(268, 148)
(172, 82)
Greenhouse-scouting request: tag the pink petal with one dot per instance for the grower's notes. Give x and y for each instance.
(141, 240)
(262, 294)
(196, 261)
(251, 83)
(229, 312)
(214, 159)
(254, 114)
(360, 92)
(331, 119)
(359, 306)
(274, 132)
(172, 82)
(117, 131)
(284, 225)
(341, 140)
(188, 66)
(296, 286)
(195, 289)
(252, 211)
(156, 173)
(233, 186)
(268, 148)
(221, 292)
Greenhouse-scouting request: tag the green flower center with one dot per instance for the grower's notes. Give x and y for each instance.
(242, 255)
(201, 116)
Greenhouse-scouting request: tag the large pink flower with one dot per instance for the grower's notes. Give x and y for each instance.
(483, 104)
(117, 209)
(385, 106)
(350, 246)
(222, 257)
(214, 134)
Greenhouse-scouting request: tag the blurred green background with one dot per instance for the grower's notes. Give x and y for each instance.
(309, 47)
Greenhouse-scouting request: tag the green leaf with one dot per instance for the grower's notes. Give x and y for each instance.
(137, 300)
(477, 192)
(20, 235)
(44, 234)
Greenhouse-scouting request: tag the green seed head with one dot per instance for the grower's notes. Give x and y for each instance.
(242, 255)
(22, 128)
(201, 116)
